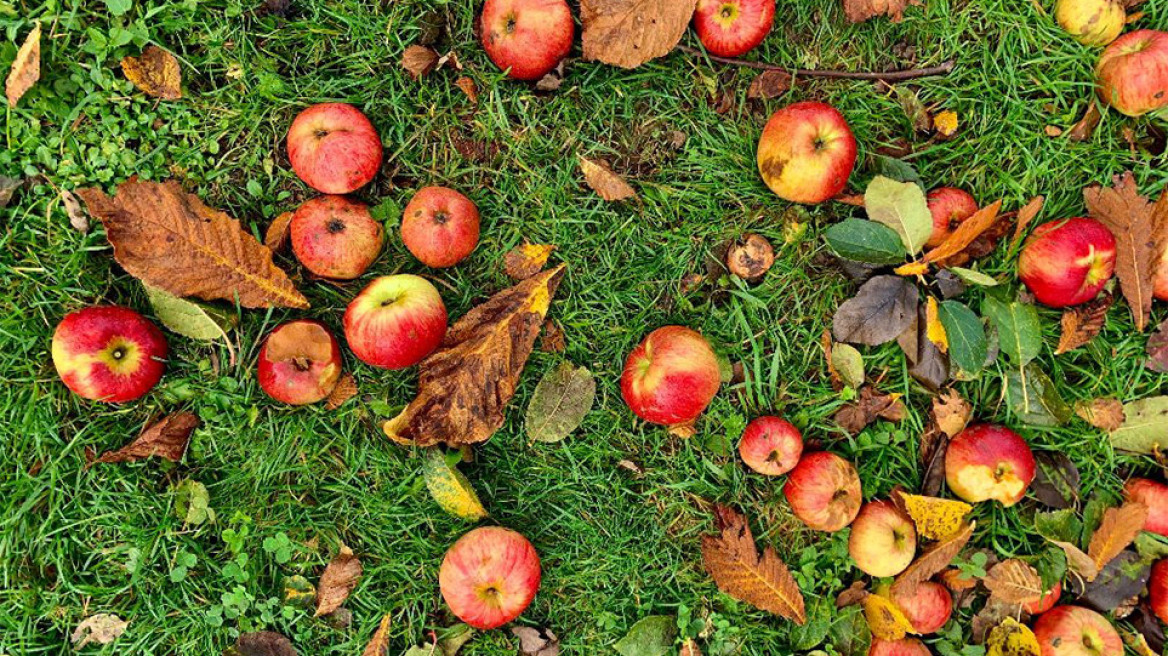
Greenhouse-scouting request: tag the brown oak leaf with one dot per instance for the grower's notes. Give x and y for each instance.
(419, 61)
(26, 67)
(769, 84)
(965, 233)
(346, 389)
(628, 33)
(166, 438)
(604, 181)
(155, 72)
(1083, 322)
(338, 580)
(870, 405)
(276, 236)
(170, 239)
(739, 570)
(933, 560)
(1119, 528)
(1104, 414)
(951, 412)
(1026, 216)
(526, 260)
(858, 11)
(1014, 582)
(379, 643)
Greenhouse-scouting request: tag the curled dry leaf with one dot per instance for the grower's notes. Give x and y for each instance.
(1052, 131)
(858, 11)
(8, 187)
(526, 260)
(1083, 130)
(1082, 323)
(379, 643)
(750, 257)
(965, 233)
(552, 80)
(339, 579)
(468, 87)
(419, 61)
(870, 405)
(26, 67)
(1014, 582)
(166, 438)
(852, 595)
(933, 560)
(606, 183)
(951, 412)
(1026, 216)
(536, 641)
(346, 389)
(769, 84)
(100, 629)
(1104, 414)
(935, 518)
(1116, 532)
(155, 72)
(78, 219)
(628, 33)
(276, 236)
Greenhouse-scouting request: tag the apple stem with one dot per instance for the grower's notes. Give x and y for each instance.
(889, 76)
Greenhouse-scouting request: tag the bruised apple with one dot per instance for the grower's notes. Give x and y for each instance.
(729, 28)
(1067, 262)
(902, 647)
(1091, 22)
(671, 376)
(489, 576)
(824, 491)
(334, 148)
(986, 461)
(527, 38)
(1076, 631)
(335, 237)
(771, 446)
(300, 362)
(1132, 73)
(440, 226)
(1046, 601)
(927, 606)
(395, 322)
(1153, 495)
(883, 539)
(949, 207)
(108, 353)
(806, 152)
(1158, 590)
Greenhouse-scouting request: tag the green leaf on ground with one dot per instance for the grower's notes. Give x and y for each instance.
(449, 487)
(192, 503)
(1033, 397)
(1019, 332)
(968, 345)
(974, 277)
(651, 636)
(561, 400)
(902, 207)
(187, 318)
(865, 241)
(848, 363)
(1145, 426)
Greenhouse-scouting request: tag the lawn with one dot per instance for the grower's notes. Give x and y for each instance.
(616, 545)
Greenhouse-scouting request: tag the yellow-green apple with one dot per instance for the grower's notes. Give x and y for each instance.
(771, 446)
(1046, 601)
(824, 491)
(949, 207)
(1158, 590)
(1091, 22)
(902, 647)
(1076, 631)
(883, 540)
(335, 237)
(440, 226)
(395, 322)
(300, 362)
(489, 576)
(1132, 73)
(527, 38)
(806, 152)
(1153, 495)
(1067, 262)
(729, 28)
(334, 148)
(671, 376)
(108, 353)
(987, 461)
(927, 606)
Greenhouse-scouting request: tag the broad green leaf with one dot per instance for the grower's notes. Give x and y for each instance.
(902, 207)
(865, 241)
(968, 345)
(1145, 426)
(118, 7)
(897, 169)
(1034, 398)
(651, 636)
(450, 488)
(1059, 525)
(561, 400)
(974, 277)
(186, 318)
(848, 363)
(1019, 333)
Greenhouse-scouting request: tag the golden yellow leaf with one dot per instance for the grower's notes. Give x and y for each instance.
(1014, 582)
(155, 73)
(26, 68)
(935, 518)
(934, 329)
(885, 619)
(1119, 528)
(450, 488)
(969, 230)
(761, 580)
(1012, 638)
(526, 260)
(945, 123)
(912, 269)
(604, 181)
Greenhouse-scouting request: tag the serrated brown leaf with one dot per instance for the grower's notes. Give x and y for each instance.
(739, 570)
(339, 579)
(965, 233)
(99, 629)
(1104, 414)
(1082, 323)
(379, 643)
(870, 405)
(1026, 216)
(171, 240)
(933, 560)
(526, 260)
(419, 61)
(858, 11)
(1085, 128)
(604, 181)
(769, 84)
(1014, 582)
(1119, 528)
(628, 33)
(468, 87)
(552, 340)
(346, 389)
(26, 67)
(155, 72)
(951, 412)
(276, 236)
(1140, 228)
(464, 387)
(166, 438)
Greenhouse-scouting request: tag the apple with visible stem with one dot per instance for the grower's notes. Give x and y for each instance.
(300, 362)
(771, 446)
(989, 462)
(395, 322)
(1067, 262)
(1091, 22)
(1158, 590)
(334, 148)
(671, 377)
(1132, 73)
(1046, 601)
(806, 152)
(902, 647)
(1076, 631)
(527, 38)
(824, 491)
(927, 606)
(883, 539)
(729, 28)
(440, 226)
(109, 353)
(489, 576)
(949, 207)
(1153, 495)
(335, 237)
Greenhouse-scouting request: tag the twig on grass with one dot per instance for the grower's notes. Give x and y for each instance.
(889, 76)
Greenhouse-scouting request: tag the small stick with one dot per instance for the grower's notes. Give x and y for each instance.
(890, 76)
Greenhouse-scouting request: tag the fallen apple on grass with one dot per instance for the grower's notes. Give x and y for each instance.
(1067, 262)
(334, 148)
(824, 491)
(989, 462)
(300, 362)
(902, 647)
(1046, 601)
(806, 152)
(1160, 280)
(1076, 631)
(671, 377)
(1132, 73)
(440, 227)
(949, 206)
(395, 322)
(771, 446)
(729, 28)
(928, 606)
(527, 38)
(1153, 495)
(883, 540)
(489, 576)
(1091, 22)
(109, 353)
(1158, 590)
(335, 237)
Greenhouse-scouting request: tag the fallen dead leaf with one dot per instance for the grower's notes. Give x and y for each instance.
(346, 389)
(1014, 582)
(1026, 216)
(1104, 414)
(885, 619)
(78, 219)
(870, 405)
(468, 87)
(536, 641)
(276, 236)
(1119, 528)
(761, 580)
(852, 595)
(934, 518)
(604, 181)
(552, 339)
(379, 643)
(26, 67)
(690, 648)
(628, 33)
(338, 580)
(1081, 323)
(933, 560)
(261, 643)
(99, 629)
(858, 11)
(750, 257)
(1083, 130)
(769, 84)
(419, 61)
(155, 72)
(166, 438)
(951, 412)
(526, 260)
(1053, 131)
(965, 234)
(945, 123)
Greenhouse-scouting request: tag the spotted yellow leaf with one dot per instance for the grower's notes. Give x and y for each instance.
(912, 269)
(885, 619)
(1012, 638)
(936, 519)
(934, 329)
(945, 123)
(450, 488)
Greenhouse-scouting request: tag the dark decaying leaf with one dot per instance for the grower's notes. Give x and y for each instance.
(552, 339)
(769, 84)
(1121, 579)
(274, 8)
(339, 579)
(932, 560)
(167, 438)
(536, 641)
(927, 364)
(914, 110)
(552, 80)
(261, 643)
(739, 570)
(526, 260)
(346, 389)
(628, 33)
(880, 311)
(991, 615)
(560, 402)
(870, 405)
(934, 444)
(8, 187)
(1056, 481)
(1146, 622)
(1080, 324)
(1158, 349)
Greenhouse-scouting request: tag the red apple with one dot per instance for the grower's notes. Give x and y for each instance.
(1153, 495)
(771, 446)
(824, 491)
(671, 376)
(729, 28)
(1160, 282)
(883, 539)
(1067, 262)
(1158, 590)
(395, 322)
(1076, 631)
(949, 207)
(986, 461)
(300, 362)
(927, 606)
(527, 38)
(440, 226)
(902, 647)
(1132, 73)
(1046, 602)
(335, 237)
(108, 353)
(334, 148)
(806, 152)
(489, 576)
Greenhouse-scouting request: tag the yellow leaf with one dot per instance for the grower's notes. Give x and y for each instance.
(934, 329)
(26, 68)
(1011, 638)
(936, 519)
(912, 269)
(155, 72)
(526, 260)
(945, 123)
(885, 619)
(450, 488)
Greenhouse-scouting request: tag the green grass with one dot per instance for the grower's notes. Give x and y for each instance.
(616, 547)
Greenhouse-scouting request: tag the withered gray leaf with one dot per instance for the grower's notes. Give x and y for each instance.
(561, 400)
(880, 311)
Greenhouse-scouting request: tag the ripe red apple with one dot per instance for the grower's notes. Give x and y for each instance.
(1160, 282)
(771, 446)
(395, 322)
(300, 362)
(1153, 495)
(824, 491)
(927, 606)
(1076, 631)
(335, 237)
(671, 376)
(489, 576)
(883, 540)
(440, 226)
(108, 353)
(902, 647)
(527, 38)
(986, 461)
(334, 148)
(1158, 590)
(806, 152)
(1067, 262)
(1046, 602)
(949, 207)
(1132, 73)
(729, 28)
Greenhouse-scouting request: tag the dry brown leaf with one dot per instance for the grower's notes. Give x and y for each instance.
(526, 260)
(859, 11)
(155, 72)
(464, 386)
(1026, 216)
(1082, 323)
(468, 87)
(769, 84)
(1077, 561)
(1104, 414)
(761, 580)
(933, 560)
(379, 643)
(552, 340)
(956, 580)
(1014, 582)
(604, 181)
(419, 61)
(170, 239)
(26, 68)
(885, 619)
(1140, 228)
(870, 405)
(965, 233)
(854, 594)
(1083, 130)
(690, 648)
(78, 219)
(628, 33)
(1119, 528)
(1053, 131)
(338, 580)
(166, 438)
(276, 237)
(951, 412)
(346, 389)
(99, 629)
